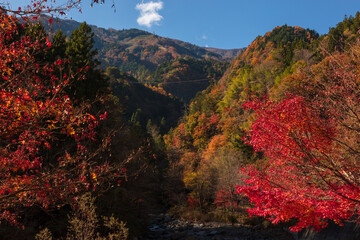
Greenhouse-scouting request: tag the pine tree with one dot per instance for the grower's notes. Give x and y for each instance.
(81, 53)
(58, 46)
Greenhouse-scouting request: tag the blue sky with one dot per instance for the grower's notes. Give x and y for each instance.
(216, 23)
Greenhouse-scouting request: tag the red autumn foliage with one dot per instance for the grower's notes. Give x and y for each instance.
(46, 152)
(193, 203)
(227, 199)
(311, 145)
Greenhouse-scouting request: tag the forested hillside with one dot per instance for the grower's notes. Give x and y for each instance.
(185, 77)
(144, 103)
(285, 115)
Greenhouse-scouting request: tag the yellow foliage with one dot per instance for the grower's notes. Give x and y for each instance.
(190, 179)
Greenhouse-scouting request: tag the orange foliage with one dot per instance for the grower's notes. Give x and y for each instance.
(217, 142)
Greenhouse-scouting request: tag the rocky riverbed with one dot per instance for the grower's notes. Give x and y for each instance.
(164, 226)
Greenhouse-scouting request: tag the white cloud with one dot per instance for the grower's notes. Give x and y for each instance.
(149, 13)
(204, 37)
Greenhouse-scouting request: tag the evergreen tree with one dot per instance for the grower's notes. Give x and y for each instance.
(58, 46)
(80, 51)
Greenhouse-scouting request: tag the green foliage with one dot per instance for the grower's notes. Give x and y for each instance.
(81, 54)
(80, 46)
(58, 46)
(36, 32)
(293, 35)
(237, 86)
(344, 33)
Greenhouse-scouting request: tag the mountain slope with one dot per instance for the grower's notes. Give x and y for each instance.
(139, 52)
(185, 77)
(143, 103)
(182, 68)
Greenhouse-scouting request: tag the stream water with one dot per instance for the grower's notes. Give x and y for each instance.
(163, 226)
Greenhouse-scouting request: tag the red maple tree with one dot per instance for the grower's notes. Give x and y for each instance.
(311, 145)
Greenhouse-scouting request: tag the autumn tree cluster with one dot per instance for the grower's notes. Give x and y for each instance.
(280, 129)
(51, 149)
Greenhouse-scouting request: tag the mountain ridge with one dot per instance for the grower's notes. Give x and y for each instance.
(68, 25)
(153, 59)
